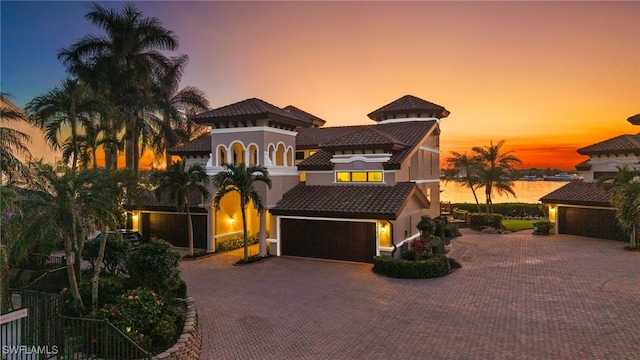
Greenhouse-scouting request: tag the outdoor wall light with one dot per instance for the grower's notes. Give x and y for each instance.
(383, 228)
(231, 220)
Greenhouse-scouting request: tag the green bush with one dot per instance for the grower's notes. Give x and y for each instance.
(484, 219)
(451, 230)
(441, 223)
(138, 313)
(509, 210)
(236, 242)
(110, 288)
(181, 290)
(115, 253)
(437, 245)
(155, 266)
(542, 227)
(426, 225)
(407, 269)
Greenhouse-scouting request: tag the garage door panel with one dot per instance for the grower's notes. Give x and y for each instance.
(338, 240)
(597, 223)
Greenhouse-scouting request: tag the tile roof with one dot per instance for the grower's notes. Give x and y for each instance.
(635, 119)
(403, 133)
(316, 121)
(618, 145)
(147, 201)
(347, 201)
(408, 103)
(365, 137)
(199, 146)
(578, 193)
(253, 108)
(584, 166)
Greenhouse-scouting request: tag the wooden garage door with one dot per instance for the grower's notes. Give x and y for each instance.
(337, 240)
(597, 223)
(174, 229)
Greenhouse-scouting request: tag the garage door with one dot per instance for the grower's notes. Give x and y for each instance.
(597, 223)
(174, 229)
(337, 240)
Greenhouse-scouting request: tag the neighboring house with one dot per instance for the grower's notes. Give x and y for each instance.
(345, 193)
(582, 208)
(38, 145)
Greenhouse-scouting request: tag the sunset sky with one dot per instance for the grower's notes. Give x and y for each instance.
(548, 77)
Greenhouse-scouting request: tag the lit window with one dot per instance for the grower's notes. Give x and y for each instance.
(343, 177)
(359, 176)
(374, 176)
(312, 152)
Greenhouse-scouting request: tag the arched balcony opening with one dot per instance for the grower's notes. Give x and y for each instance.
(237, 151)
(280, 154)
(253, 155)
(272, 154)
(290, 156)
(221, 153)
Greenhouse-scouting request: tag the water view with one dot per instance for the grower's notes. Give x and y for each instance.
(526, 192)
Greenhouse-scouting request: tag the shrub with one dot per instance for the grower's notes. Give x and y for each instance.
(509, 210)
(542, 227)
(426, 225)
(441, 223)
(451, 231)
(181, 290)
(236, 242)
(437, 245)
(484, 219)
(110, 288)
(454, 264)
(407, 269)
(155, 265)
(137, 313)
(115, 253)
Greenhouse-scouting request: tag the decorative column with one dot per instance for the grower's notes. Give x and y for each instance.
(263, 234)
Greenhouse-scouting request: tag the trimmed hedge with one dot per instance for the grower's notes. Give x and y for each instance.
(542, 227)
(508, 210)
(484, 219)
(406, 269)
(236, 242)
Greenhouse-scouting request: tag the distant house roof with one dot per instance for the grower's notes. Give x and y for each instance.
(584, 166)
(199, 146)
(250, 110)
(578, 193)
(147, 201)
(635, 119)
(622, 144)
(316, 121)
(352, 201)
(406, 105)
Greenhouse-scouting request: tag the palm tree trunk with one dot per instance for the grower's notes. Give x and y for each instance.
(96, 271)
(190, 226)
(475, 196)
(71, 273)
(244, 229)
(167, 157)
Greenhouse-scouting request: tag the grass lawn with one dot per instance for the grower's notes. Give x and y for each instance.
(517, 225)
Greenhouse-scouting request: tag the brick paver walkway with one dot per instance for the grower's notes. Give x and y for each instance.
(518, 296)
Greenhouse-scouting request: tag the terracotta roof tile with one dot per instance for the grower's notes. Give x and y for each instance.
(199, 146)
(250, 108)
(350, 201)
(584, 166)
(147, 201)
(316, 121)
(365, 137)
(635, 119)
(408, 103)
(620, 144)
(578, 193)
(312, 138)
(321, 160)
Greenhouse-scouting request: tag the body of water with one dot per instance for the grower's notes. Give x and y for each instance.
(526, 192)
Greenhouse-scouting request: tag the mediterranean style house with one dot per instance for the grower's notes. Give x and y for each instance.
(581, 207)
(344, 193)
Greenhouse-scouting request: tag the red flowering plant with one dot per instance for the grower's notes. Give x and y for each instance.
(420, 247)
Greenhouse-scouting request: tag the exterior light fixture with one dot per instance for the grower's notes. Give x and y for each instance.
(231, 220)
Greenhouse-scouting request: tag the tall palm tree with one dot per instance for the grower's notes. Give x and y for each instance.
(495, 168)
(73, 104)
(173, 105)
(179, 183)
(465, 168)
(241, 179)
(129, 53)
(12, 141)
(88, 144)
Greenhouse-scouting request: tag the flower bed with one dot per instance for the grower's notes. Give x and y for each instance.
(188, 346)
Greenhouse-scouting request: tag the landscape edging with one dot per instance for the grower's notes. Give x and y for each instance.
(189, 345)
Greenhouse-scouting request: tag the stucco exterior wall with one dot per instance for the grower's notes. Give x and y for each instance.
(600, 164)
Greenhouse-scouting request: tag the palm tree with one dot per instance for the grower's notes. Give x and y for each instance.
(625, 188)
(128, 54)
(88, 144)
(173, 105)
(241, 179)
(12, 142)
(464, 168)
(73, 104)
(180, 183)
(495, 169)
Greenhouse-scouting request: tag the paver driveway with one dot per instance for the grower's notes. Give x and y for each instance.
(518, 296)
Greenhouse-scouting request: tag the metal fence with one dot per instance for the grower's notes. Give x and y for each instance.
(37, 330)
